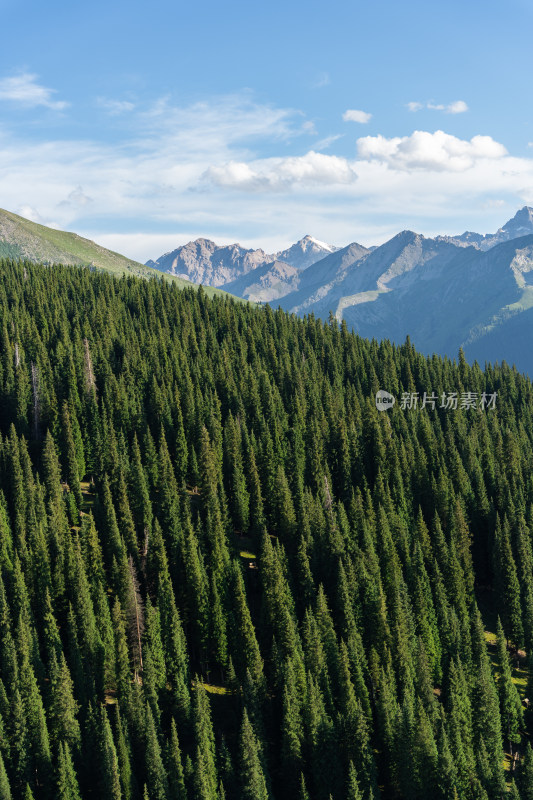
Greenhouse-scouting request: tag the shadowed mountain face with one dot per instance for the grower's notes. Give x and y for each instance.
(267, 283)
(443, 296)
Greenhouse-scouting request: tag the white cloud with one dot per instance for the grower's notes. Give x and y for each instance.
(29, 213)
(25, 90)
(77, 198)
(220, 169)
(327, 141)
(457, 107)
(282, 174)
(354, 115)
(422, 150)
(142, 246)
(115, 107)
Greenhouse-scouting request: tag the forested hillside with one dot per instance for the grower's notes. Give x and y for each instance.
(225, 574)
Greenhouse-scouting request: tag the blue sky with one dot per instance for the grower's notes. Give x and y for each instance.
(145, 126)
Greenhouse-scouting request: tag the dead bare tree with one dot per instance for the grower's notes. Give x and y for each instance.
(327, 493)
(90, 382)
(328, 503)
(17, 355)
(135, 619)
(146, 539)
(144, 551)
(36, 398)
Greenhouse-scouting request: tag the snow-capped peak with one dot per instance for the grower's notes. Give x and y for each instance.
(322, 245)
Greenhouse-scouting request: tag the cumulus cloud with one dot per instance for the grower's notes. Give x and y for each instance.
(281, 174)
(355, 115)
(457, 107)
(24, 90)
(422, 150)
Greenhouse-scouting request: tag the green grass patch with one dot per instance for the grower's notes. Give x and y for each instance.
(212, 688)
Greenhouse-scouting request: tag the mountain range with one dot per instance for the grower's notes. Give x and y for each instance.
(472, 290)
(203, 261)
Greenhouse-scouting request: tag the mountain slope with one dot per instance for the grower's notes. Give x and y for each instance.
(266, 283)
(22, 238)
(443, 295)
(355, 271)
(318, 280)
(472, 302)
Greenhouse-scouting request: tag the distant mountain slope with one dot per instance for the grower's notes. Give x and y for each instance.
(354, 271)
(480, 301)
(319, 280)
(520, 225)
(266, 283)
(22, 238)
(442, 294)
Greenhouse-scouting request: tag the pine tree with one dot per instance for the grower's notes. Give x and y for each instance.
(63, 708)
(206, 774)
(246, 646)
(510, 704)
(352, 789)
(155, 773)
(253, 783)
(107, 761)
(525, 774)
(123, 748)
(5, 789)
(177, 789)
(70, 455)
(67, 783)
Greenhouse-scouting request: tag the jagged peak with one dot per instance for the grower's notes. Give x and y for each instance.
(524, 216)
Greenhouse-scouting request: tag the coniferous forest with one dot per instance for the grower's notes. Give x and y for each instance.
(224, 574)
